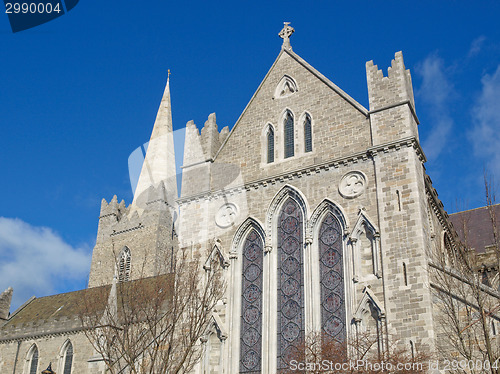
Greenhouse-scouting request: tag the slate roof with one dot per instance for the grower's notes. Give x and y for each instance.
(475, 228)
(60, 313)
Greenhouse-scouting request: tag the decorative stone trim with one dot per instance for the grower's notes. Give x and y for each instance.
(370, 153)
(40, 335)
(140, 226)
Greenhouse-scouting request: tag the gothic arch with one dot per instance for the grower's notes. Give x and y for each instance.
(327, 205)
(238, 285)
(268, 144)
(370, 314)
(329, 217)
(32, 356)
(305, 139)
(286, 86)
(278, 200)
(363, 230)
(66, 358)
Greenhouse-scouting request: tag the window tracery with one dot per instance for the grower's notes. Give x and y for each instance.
(251, 305)
(124, 265)
(332, 279)
(290, 283)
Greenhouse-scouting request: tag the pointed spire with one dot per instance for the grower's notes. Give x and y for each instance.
(159, 163)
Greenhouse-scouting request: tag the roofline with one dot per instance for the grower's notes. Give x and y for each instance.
(311, 69)
(470, 210)
(22, 307)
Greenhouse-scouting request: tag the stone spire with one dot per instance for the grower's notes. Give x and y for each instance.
(159, 163)
(285, 34)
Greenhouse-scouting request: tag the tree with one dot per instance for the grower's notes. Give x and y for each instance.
(467, 305)
(359, 354)
(153, 325)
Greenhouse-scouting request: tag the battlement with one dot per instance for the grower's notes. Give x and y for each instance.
(199, 147)
(117, 218)
(392, 106)
(394, 88)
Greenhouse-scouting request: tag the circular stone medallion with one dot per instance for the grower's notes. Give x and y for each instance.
(352, 184)
(226, 215)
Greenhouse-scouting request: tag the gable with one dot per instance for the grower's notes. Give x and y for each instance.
(340, 125)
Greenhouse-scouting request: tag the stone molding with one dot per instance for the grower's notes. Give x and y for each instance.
(315, 168)
(140, 226)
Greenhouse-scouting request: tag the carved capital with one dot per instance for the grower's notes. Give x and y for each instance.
(268, 249)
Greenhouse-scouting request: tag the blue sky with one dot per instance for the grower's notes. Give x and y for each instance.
(79, 95)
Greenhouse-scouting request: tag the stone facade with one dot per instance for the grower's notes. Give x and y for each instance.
(365, 170)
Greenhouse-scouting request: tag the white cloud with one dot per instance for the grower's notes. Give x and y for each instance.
(485, 135)
(37, 261)
(435, 92)
(476, 46)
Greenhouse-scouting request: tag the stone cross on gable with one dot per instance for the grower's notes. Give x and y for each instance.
(285, 34)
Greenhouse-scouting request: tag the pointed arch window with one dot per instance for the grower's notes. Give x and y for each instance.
(270, 144)
(33, 360)
(333, 322)
(68, 358)
(290, 284)
(124, 265)
(251, 304)
(289, 134)
(307, 134)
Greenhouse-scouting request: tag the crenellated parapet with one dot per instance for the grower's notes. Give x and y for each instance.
(200, 148)
(392, 105)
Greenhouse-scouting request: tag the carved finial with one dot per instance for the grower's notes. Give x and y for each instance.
(285, 34)
(168, 73)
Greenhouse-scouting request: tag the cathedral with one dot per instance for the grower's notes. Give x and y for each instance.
(320, 208)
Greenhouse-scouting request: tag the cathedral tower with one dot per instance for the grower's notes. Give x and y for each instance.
(137, 241)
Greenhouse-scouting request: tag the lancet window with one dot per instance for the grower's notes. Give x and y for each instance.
(124, 265)
(270, 145)
(289, 134)
(33, 360)
(290, 284)
(251, 305)
(307, 134)
(68, 358)
(333, 322)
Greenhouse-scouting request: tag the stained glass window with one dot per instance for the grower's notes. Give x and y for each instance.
(290, 285)
(68, 358)
(270, 145)
(289, 141)
(332, 279)
(308, 134)
(251, 305)
(124, 266)
(34, 360)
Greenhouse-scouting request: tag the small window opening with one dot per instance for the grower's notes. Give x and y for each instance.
(398, 193)
(270, 145)
(405, 277)
(308, 134)
(289, 135)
